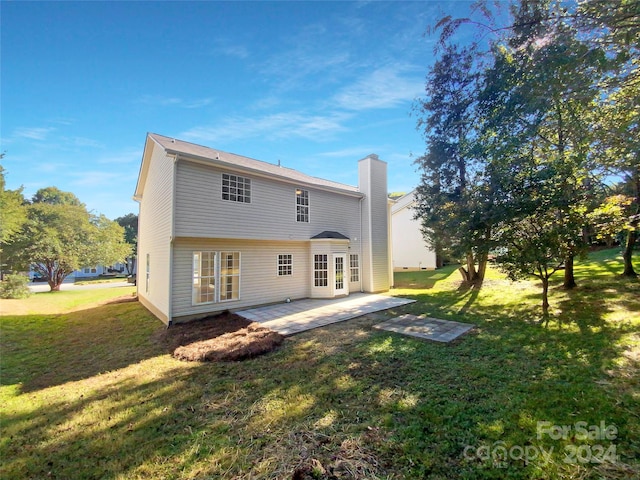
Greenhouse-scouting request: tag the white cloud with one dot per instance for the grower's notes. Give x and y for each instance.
(237, 51)
(275, 126)
(33, 133)
(353, 152)
(383, 88)
(162, 101)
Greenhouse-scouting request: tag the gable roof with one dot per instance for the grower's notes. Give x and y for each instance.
(202, 154)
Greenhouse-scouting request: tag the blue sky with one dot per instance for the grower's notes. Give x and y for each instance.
(315, 85)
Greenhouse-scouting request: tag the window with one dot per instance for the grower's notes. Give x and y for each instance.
(236, 188)
(285, 265)
(216, 277)
(355, 269)
(204, 277)
(229, 276)
(302, 205)
(320, 271)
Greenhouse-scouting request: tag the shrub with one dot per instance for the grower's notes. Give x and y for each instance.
(15, 286)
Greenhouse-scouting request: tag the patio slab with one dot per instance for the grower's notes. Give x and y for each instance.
(301, 315)
(425, 327)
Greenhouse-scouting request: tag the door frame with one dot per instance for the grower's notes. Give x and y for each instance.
(335, 277)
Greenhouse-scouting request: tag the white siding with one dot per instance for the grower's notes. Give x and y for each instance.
(259, 279)
(154, 232)
(410, 250)
(375, 261)
(271, 215)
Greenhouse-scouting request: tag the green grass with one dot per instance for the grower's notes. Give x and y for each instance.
(62, 301)
(91, 394)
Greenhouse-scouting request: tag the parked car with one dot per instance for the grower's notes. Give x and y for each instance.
(132, 279)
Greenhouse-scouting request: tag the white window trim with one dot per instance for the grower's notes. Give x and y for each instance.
(217, 277)
(352, 268)
(327, 269)
(300, 189)
(237, 178)
(278, 274)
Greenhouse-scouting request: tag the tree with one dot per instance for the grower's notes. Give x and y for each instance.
(542, 92)
(59, 238)
(12, 211)
(618, 149)
(130, 224)
(533, 247)
(452, 199)
(55, 196)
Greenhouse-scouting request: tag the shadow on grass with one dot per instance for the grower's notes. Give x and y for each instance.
(350, 398)
(422, 279)
(41, 351)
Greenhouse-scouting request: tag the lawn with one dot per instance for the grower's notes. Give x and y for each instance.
(92, 393)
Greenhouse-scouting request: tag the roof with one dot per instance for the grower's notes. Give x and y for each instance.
(329, 234)
(218, 157)
(403, 202)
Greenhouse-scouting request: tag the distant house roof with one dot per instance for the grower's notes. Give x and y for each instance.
(329, 234)
(404, 202)
(231, 160)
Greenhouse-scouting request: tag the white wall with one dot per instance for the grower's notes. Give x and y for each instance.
(259, 279)
(155, 232)
(410, 252)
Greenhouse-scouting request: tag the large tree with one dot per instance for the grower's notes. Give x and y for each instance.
(564, 88)
(12, 211)
(453, 201)
(541, 95)
(130, 224)
(59, 238)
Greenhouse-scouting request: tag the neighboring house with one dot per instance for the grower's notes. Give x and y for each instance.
(86, 272)
(98, 270)
(218, 231)
(410, 251)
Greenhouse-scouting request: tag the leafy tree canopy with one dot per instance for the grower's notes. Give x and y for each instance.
(62, 236)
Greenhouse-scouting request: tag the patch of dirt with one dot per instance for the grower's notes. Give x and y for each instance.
(219, 338)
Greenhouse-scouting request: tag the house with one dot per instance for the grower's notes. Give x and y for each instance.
(410, 251)
(99, 270)
(219, 231)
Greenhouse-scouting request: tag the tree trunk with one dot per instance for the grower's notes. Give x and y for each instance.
(482, 269)
(627, 255)
(469, 273)
(465, 275)
(545, 297)
(569, 279)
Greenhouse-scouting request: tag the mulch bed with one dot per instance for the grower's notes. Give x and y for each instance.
(219, 338)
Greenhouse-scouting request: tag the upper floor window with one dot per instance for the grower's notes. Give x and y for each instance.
(236, 188)
(302, 205)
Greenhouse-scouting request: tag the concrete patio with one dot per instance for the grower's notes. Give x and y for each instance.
(301, 315)
(425, 327)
